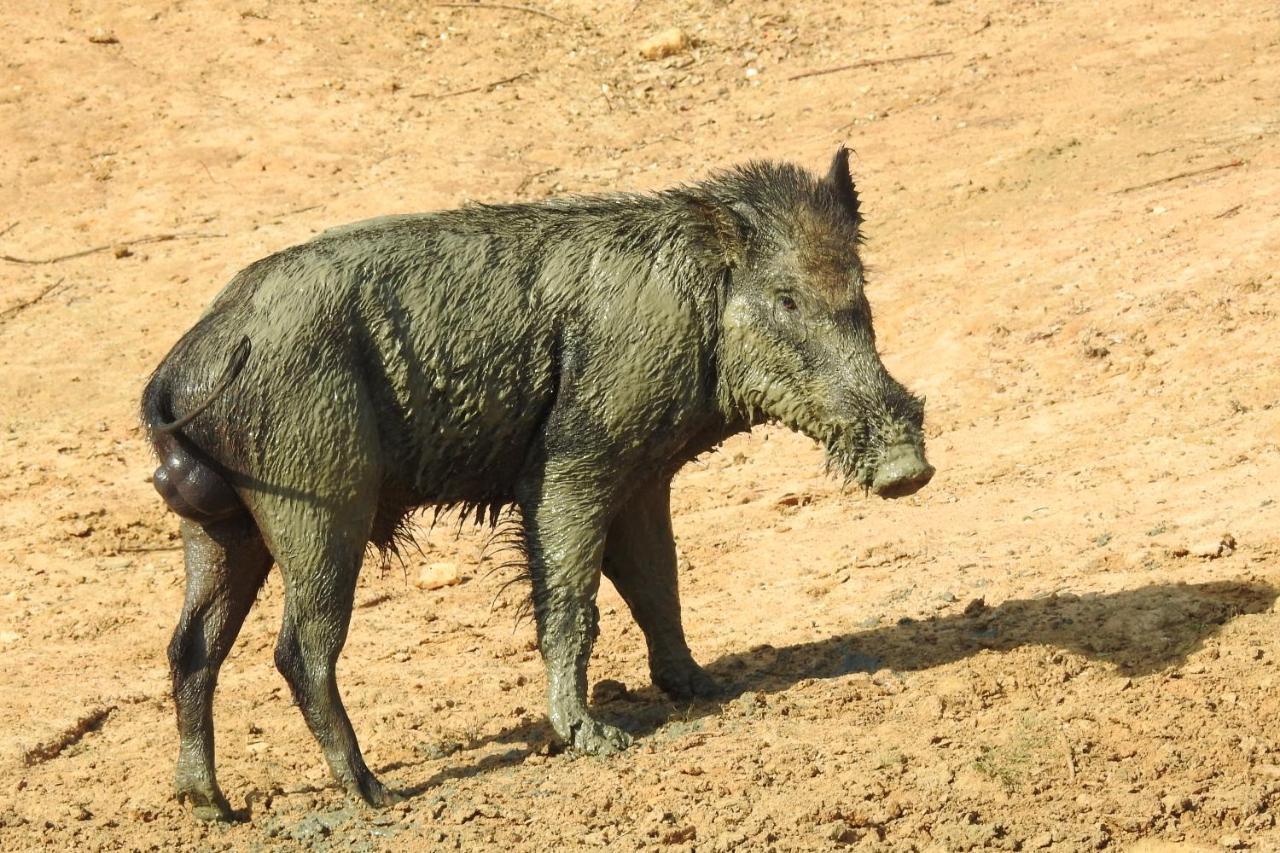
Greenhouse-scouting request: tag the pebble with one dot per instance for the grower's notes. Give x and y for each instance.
(310, 828)
(888, 681)
(1214, 547)
(931, 709)
(666, 43)
(438, 575)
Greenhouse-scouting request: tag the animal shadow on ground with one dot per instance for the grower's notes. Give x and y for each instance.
(1139, 632)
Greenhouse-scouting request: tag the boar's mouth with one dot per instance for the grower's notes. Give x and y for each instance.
(893, 470)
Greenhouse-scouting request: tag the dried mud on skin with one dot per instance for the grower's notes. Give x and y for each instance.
(1066, 642)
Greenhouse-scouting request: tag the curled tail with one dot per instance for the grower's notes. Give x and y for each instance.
(191, 484)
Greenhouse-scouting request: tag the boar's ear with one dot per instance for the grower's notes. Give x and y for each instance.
(726, 226)
(840, 179)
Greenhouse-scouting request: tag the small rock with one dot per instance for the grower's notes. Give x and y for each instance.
(666, 43)
(1039, 842)
(1136, 558)
(931, 709)
(80, 529)
(102, 36)
(309, 828)
(1175, 804)
(728, 842)
(888, 681)
(841, 833)
(608, 690)
(439, 749)
(976, 607)
(1214, 547)
(438, 575)
(1232, 842)
(680, 835)
(794, 499)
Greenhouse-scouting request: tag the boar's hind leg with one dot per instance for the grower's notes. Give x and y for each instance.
(226, 565)
(640, 561)
(320, 562)
(565, 530)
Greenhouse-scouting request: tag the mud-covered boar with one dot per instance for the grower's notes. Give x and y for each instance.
(565, 357)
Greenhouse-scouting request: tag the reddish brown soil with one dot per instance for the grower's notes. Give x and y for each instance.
(1050, 648)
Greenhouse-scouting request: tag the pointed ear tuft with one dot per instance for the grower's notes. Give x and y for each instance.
(724, 227)
(840, 179)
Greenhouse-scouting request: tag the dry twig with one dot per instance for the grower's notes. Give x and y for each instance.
(70, 736)
(1233, 164)
(14, 310)
(511, 6)
(295, 211)
(155, 238)
(488, 87)
(1071, 753)
(530, 178)
(867, 63)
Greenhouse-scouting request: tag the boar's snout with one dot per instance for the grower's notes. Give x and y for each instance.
(902, 471)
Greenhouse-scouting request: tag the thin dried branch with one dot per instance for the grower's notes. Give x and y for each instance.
(867, 63)
(1232, 165)
(509, 6)
(155, 238)
(488, 87)
(14, 310)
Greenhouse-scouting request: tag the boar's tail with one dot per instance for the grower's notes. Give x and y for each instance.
(193, 485)
(238, 357)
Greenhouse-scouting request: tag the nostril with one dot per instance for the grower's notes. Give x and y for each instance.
(903, 472)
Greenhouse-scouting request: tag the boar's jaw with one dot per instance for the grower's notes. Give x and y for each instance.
(848, 457)
(847, 441)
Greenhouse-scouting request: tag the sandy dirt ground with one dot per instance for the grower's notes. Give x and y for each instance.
(1067, 642)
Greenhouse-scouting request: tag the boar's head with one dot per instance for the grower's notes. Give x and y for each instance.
(797, 343)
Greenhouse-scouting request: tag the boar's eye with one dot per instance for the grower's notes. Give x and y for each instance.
(786, 302)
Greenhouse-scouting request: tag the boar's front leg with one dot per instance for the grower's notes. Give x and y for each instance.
(640, 561)
(565, 522)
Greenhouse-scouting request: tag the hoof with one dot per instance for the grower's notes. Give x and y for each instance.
(686, 681)
(374, 793)
(207, 805)
(593, 737)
